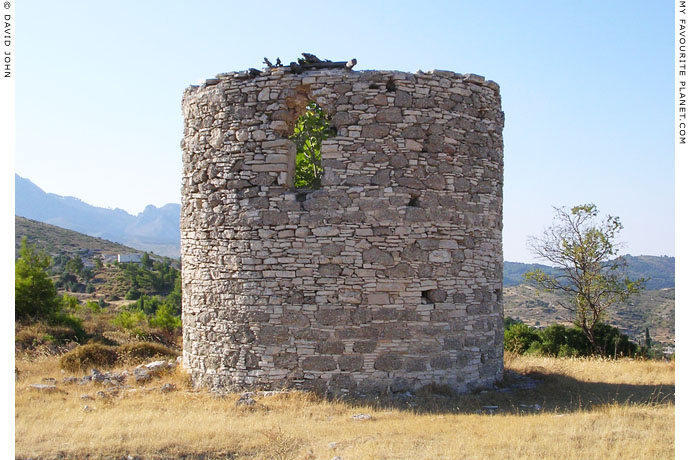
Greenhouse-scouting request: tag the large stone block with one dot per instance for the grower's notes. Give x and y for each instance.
(319, 363)
(388, 362)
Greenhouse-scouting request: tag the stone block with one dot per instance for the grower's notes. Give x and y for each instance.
(330, 270)
(378, 298)
(377, 256)
(319, 363)
(331, 348)
(276, 158)
(389, 115)
(325, 231)
(269, 167)
(242, 135)
(331, 317)
(440, 256)
(264, 94)
(413, 132)
(386, 314)
(374, 131)
(388, 362)
(295, 319)
(415, 364)
(364, 347)
(403, 99)
(269, 335)
(350, 363)
(413, 146)
(274, 218)
(441, 362)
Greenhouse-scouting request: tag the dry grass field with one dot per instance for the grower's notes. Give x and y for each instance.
(581, 408)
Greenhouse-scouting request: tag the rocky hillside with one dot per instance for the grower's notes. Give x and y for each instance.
(653, 309)
(109, 281)
(56, 240)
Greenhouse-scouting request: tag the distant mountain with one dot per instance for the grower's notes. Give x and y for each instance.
(659, 271)
(513, 271)
(155, 229)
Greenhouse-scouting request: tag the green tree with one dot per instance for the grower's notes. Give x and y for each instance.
(174, 299)
(75, 265)
(165, 318)
(311, 130)
(34, 292)
(98, 262)
(589, 273)
(132, 321)
(68, 302)
(146, 260)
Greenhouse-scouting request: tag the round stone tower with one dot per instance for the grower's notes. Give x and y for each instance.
(387, 277)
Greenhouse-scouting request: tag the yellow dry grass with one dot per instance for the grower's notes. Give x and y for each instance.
(592, 409)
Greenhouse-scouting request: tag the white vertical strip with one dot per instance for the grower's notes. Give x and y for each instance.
(682, 140)
(7, 85)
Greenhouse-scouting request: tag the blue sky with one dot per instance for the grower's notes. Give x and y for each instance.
(587, 90)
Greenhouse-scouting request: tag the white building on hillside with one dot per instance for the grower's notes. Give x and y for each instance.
(127, 258)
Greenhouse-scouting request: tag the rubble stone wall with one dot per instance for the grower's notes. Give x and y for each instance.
(388, 277)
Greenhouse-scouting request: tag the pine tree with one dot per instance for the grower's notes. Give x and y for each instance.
(34, 292)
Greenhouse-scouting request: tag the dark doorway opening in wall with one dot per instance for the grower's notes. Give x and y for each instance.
(311, 129)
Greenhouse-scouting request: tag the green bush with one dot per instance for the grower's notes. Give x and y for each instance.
(614, 342)
(68, 302)
(94, 306)
(133, 322)
(147, 304)
(535, 348)
(165, 318)
(552, 338)
(519, 337)
(175, 297)
(132, 294)
(566, 351)
(559, 340)
(129, 320)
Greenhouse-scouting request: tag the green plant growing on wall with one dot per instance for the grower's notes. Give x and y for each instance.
(311, 129)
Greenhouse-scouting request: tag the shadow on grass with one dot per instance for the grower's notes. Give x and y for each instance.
(553, 392)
